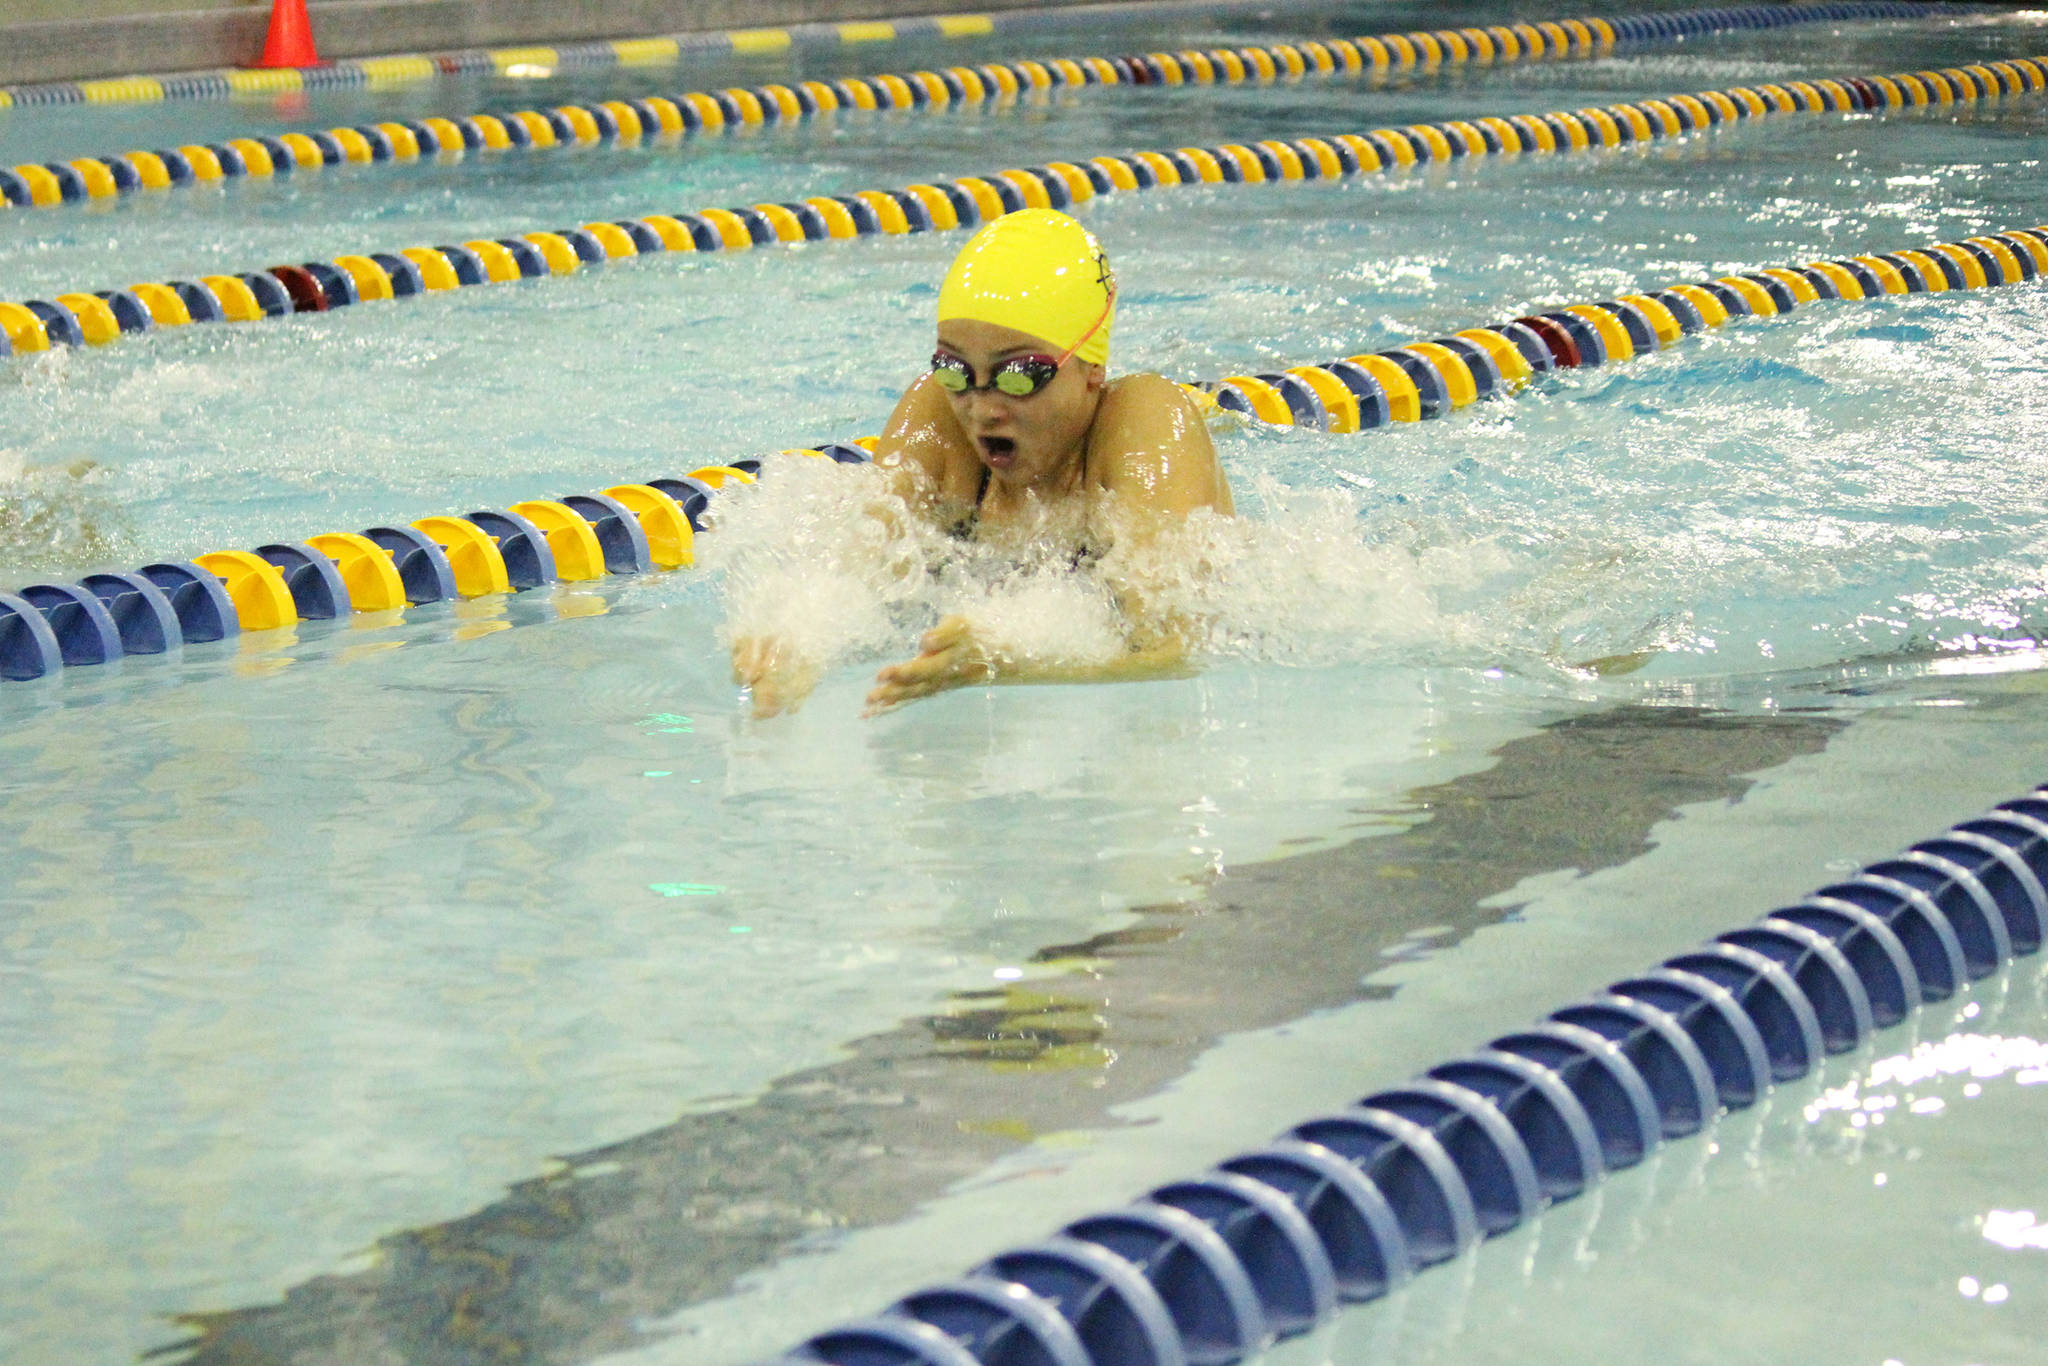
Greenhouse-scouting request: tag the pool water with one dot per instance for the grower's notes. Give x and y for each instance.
(1770, 1237)
(367, 973)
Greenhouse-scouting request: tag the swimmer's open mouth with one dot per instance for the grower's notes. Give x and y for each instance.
(998, 449)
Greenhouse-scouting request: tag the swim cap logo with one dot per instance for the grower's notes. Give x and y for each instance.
(1104, 276)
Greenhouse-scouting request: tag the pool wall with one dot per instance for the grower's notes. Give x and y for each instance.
(173, 37)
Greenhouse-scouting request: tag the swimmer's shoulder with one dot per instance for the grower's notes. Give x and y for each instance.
(1150, 436)
(1144, 391)
(923, 435)
(1145, 411)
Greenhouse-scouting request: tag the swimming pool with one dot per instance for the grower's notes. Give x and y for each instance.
(333, 937)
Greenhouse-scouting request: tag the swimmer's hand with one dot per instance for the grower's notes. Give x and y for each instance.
(779, 678)
(949, 657)
(952, 655)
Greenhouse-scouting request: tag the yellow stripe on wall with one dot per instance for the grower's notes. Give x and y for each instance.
(647, 51)
(125, 90)
(759, 39)
(383, 73)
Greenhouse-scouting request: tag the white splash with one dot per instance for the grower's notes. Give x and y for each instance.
(53, 517)
(828, 562)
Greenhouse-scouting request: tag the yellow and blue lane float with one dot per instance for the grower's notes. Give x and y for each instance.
(625, 529)
(638, 528)
(630, 122)
(95, 318)
(1424, 380)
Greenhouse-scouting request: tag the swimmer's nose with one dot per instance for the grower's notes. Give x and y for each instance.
(987, 401)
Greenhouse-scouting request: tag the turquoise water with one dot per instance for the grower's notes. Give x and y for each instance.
(1859, 1215)
(342, 931)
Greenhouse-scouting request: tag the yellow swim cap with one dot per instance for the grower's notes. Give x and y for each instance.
(1037, 271)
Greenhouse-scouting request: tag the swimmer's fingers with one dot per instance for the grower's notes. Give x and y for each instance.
(779, 679)
(750, 659)
(769, 701)
(952, 658)
(898, 684)
(758, 658)
(783, 690)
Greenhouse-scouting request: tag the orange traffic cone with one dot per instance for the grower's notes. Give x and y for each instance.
(290, 41)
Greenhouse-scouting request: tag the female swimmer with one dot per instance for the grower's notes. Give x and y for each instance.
(1016, 436)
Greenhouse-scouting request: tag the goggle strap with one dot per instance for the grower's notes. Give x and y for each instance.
(1108, 302)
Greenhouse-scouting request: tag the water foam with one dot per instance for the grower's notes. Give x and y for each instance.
(835, 568)
(55, 517)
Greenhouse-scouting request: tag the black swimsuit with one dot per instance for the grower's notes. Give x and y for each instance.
(963, 530)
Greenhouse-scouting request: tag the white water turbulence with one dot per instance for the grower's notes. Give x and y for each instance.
(828, 563)
(57, 514)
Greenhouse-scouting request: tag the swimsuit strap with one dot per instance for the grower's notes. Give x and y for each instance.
(963, 530)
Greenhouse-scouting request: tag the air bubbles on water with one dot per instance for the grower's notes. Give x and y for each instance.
(175, 391)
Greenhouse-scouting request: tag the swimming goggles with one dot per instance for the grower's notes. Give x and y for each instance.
(1019, 376)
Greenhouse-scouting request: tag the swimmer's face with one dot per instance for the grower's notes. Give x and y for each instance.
(1027, 440)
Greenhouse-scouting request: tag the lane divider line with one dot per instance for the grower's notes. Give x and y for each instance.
(82, 318)
(1347, 1207)
(403, 70)
(670, 119)
(1424, 380)
(640, 528)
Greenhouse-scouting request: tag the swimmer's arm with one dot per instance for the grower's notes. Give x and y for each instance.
(953, 655)
(1158, 469)
(913, 455)
(1153, 453)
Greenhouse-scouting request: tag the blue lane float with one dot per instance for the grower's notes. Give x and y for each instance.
(1346, 1207)
(626, 529)
(142, 613)
(1422, 380)
(28, 645)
